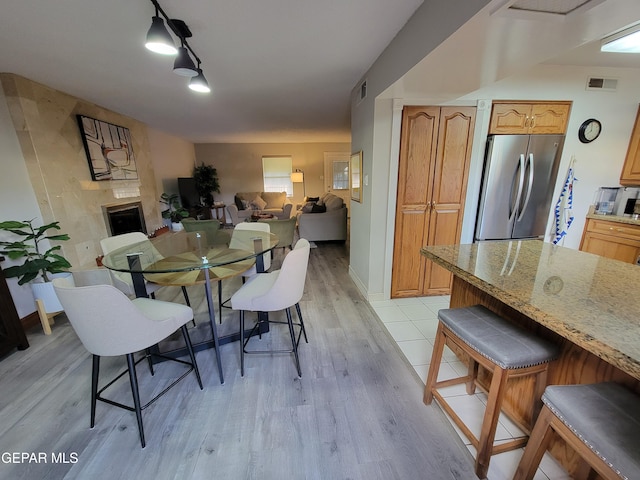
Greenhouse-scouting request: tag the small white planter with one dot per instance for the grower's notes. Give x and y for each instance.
(176, 226)
(47, 301)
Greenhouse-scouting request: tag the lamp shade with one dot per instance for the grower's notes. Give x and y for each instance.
(183, 64)
(297, 177)
(159, 39)
(199, 83)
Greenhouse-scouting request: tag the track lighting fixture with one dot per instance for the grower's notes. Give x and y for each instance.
(184, 65)
(199, 83)
(159, 40)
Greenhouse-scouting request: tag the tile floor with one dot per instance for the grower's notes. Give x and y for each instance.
(412, 322)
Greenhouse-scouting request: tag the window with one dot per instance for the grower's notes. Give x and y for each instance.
(276, 173)
(340, 175)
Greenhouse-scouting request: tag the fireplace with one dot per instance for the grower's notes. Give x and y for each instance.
(124, 218)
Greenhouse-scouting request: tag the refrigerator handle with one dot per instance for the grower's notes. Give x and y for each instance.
(513, 209)
(529, 188)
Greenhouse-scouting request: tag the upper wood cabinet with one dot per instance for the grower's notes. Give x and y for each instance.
(529, 117)
(631, 169)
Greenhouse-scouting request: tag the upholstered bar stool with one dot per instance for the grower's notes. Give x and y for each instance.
(600, 422)
(502, 348)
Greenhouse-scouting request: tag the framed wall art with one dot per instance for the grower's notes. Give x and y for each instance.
(355, 171)
(109, 150)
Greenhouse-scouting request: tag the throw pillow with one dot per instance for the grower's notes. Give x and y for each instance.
(308, 207)
(238, 201)
(333, 202)
(245, 204)
(311, 199)
(318, 208)
(259, 203)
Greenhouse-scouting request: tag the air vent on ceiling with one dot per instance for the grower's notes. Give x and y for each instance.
(362, 91)
(599, 83)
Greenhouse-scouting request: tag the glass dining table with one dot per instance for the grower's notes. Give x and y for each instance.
(191, 258)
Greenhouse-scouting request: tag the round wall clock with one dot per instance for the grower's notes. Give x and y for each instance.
(589, 130)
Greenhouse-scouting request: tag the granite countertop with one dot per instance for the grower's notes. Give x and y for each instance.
(590, 300)
(629, 220)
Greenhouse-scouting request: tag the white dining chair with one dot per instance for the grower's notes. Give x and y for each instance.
(258, 227)
(109, 324)
(236, 243)
(272, 292)
(122, 280)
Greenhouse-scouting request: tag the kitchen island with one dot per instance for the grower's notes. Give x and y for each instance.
(587, 304)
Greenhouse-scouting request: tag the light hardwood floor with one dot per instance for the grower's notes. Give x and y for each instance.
(356, 413)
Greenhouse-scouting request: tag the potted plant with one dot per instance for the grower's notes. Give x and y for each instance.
(38, 267)
(175, 211)
(206, 179)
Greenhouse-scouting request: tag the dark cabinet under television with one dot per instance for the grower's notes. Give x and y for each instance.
(11, 332)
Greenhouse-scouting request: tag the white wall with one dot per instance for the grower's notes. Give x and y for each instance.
(17, 198)
(239, 165)
(430, 25)
(371, 123)
(598, 163)
(172, 158)
(448, 79)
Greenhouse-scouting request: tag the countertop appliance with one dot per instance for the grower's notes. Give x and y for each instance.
(626, 200)
(517, 186)
(606, 200)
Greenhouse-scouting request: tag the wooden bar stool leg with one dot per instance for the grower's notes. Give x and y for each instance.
(434, 367)
(538, 390)
(539, 440)
(497, 391)
(473, 375)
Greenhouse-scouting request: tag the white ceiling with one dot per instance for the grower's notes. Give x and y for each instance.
(499, 42)
(280, 70)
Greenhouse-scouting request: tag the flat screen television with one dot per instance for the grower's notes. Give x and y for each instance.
(188, 193)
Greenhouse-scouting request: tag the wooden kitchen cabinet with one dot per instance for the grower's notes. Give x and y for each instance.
(529, 117)
(630, 175)
(435, 150)
(615, 240)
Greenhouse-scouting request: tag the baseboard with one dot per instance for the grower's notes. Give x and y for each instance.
(376, 297)
(359, 284)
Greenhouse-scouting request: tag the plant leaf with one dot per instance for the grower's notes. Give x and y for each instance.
(62, 236)
(12, 224)
(27, 278)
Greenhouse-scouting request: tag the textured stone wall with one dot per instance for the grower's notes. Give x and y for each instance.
(49, 136)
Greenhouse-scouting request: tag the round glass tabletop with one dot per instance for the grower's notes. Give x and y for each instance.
(185, 251)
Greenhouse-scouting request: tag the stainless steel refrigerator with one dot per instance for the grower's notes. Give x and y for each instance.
(517, 186)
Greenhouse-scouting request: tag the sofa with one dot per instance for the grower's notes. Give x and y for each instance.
(245, 203)
(323, 219)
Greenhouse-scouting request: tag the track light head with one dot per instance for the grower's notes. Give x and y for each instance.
(183, 64)
(159, 39)
(199, 83)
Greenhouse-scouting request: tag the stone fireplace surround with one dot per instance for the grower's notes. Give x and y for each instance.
(46, 128)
